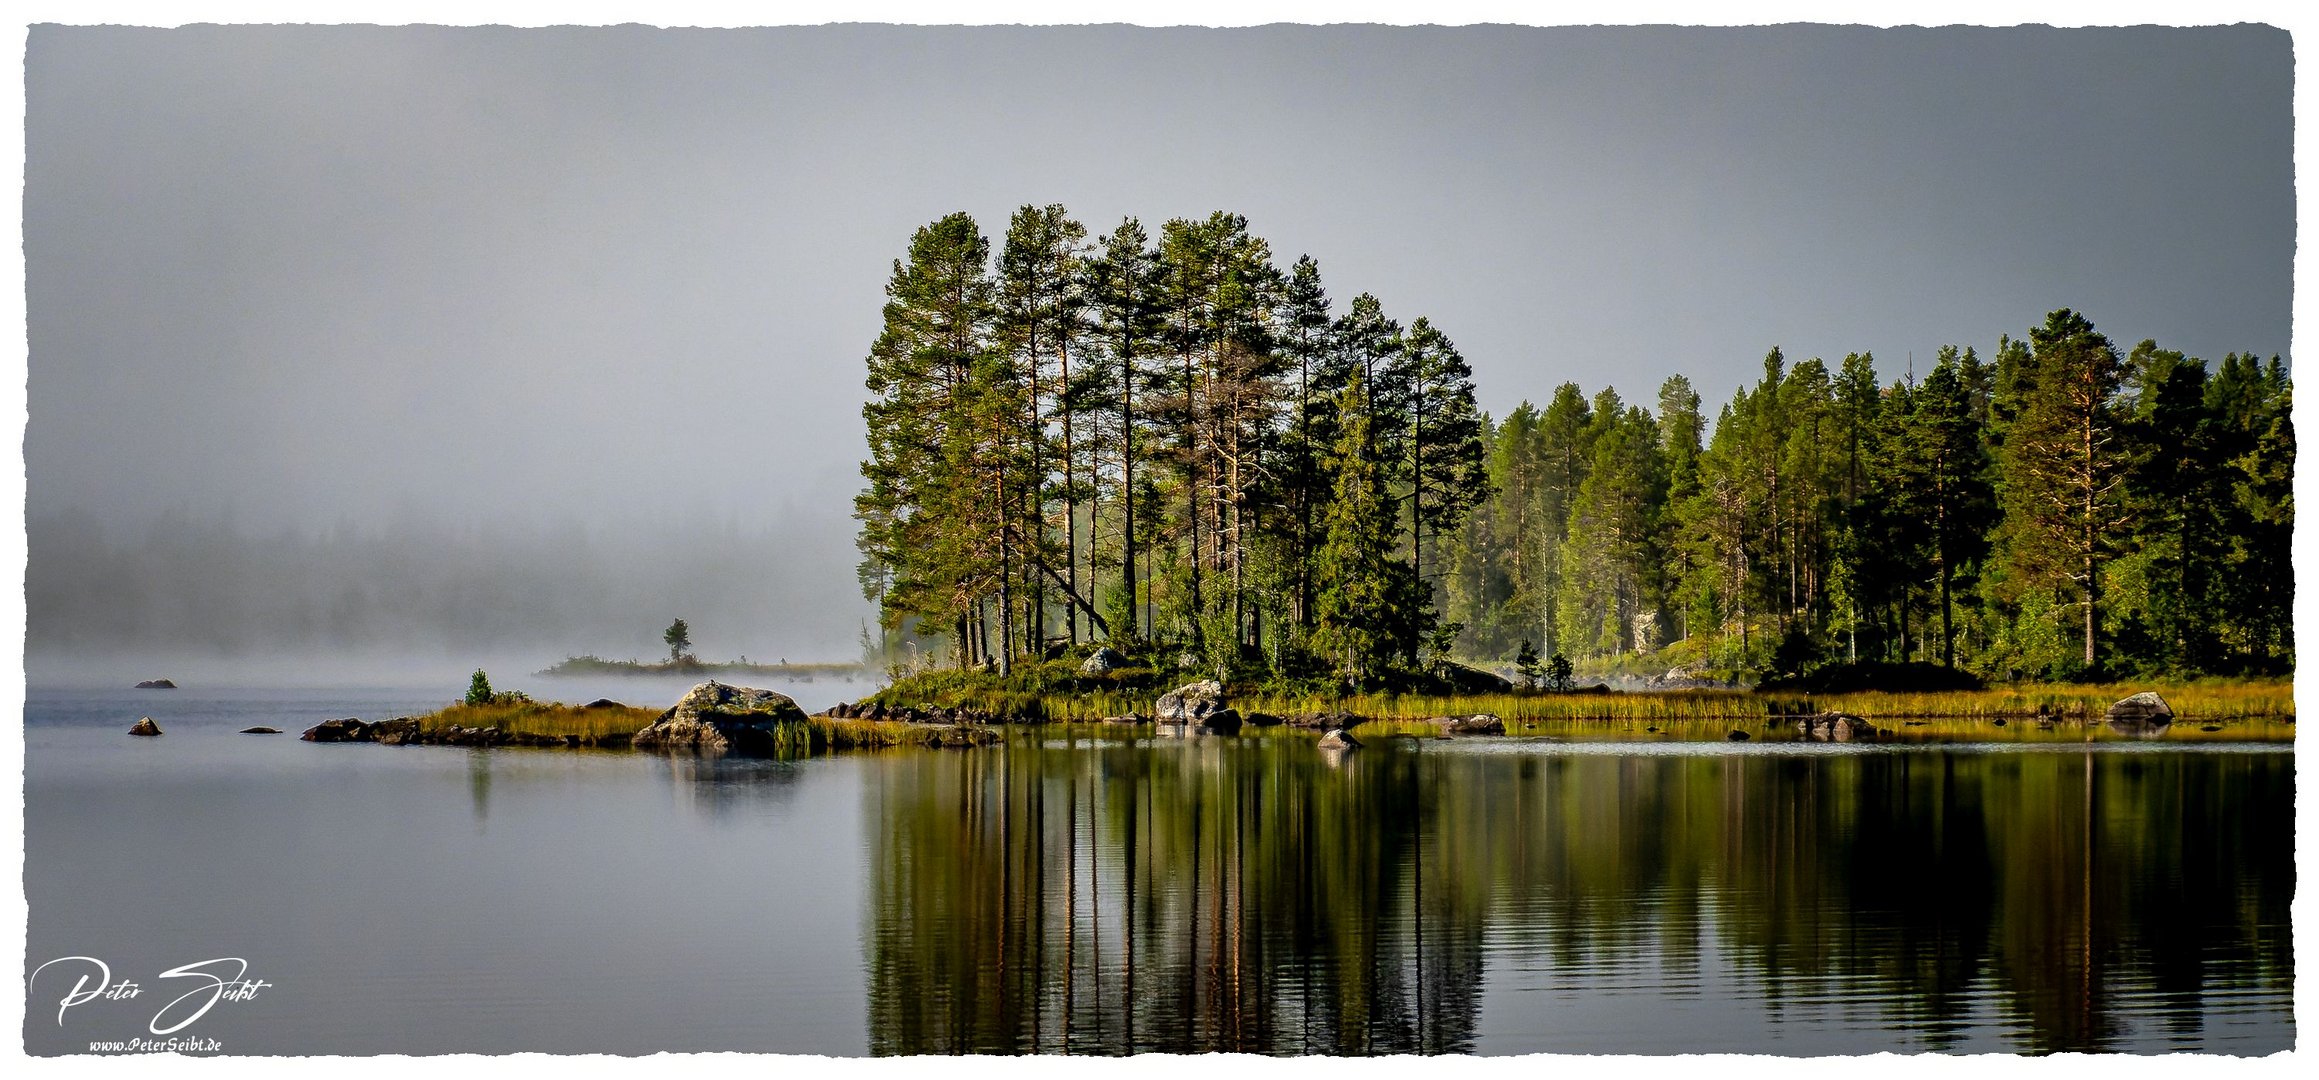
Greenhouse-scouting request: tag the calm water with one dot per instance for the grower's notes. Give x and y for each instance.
(1069, 894)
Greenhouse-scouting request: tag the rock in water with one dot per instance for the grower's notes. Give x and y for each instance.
(2144, 708)
(347, 730)
(719, 719)
(1737, 735)
(261, 731)
(156, 684)
(1103, 661)
(1191, 703)
(146, 726)
(1834, 727)
(1339, 739)
(1477, 724)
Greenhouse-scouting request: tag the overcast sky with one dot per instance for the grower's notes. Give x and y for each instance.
(328, 275)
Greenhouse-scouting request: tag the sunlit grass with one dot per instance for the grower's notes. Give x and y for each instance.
(543, 718)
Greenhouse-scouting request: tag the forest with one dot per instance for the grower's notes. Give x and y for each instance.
(1178, 447)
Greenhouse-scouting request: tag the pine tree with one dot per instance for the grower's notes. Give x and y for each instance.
(1354, 564)
(2063, 468)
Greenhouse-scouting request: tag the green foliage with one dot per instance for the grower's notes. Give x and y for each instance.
(479, 689)
(1176, 443)
(678, 638)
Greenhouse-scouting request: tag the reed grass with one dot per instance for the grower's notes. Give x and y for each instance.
(543, 718)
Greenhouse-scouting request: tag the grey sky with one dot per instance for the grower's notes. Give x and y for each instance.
(337, 275)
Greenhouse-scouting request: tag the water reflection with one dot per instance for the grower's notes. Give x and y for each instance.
(1075, 896)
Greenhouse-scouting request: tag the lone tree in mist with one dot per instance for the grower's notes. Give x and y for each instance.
(679, 638)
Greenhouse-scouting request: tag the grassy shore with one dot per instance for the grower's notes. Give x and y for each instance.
(1062, 696)
(614, 726)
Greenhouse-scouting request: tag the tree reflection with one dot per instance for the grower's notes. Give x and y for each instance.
(1249, 895)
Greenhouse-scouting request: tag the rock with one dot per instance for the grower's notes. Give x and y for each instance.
(1323, 721)
(261, 731)
(603, 703)
(1834, 727)
(2144, 708)
(1477, 724)
(1737, 735)
(720, 719)
(2210, 727)
(962, 735)
(1339, 739)
(1261, 719)
(156, 684)
(347, 730)
(1473, 680)
(1103, 661)
(146, 726)
(1131, 718)
(397, 732)
(1191, 703)
(1221, 722)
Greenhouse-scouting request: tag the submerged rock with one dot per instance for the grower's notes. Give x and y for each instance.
(156, 684)
(1834, 727)
(146, 726)
(261, 731)
(2143, 708)
(1477, 724)
(1192, 703)
(715, 718)
(1103, 661)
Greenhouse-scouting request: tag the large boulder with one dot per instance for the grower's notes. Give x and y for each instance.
(146, 726)
(1834, 727)
(2144, 709)
(347, 730)
(719, 719)
(1103, 661)
(1191, 703)
(1473, 680)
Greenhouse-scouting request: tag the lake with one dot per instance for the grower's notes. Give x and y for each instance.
(1104, 891)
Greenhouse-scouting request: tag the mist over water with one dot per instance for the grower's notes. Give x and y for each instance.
(413, 603)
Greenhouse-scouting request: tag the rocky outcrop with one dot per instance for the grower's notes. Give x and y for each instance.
(146, 726)
(719, 719)
(1322, 721)
(1191, 703)
(400, 731)
(603, 703)
(347, 730)
(1834, 727)
(1339, 739)
(156, 684)
(261, 731)
(1103, 661)
(1473, 680)
(1261, 719)
(1477, 724)
(2144, 709)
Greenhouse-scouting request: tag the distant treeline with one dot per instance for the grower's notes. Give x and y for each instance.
(1181, 443)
